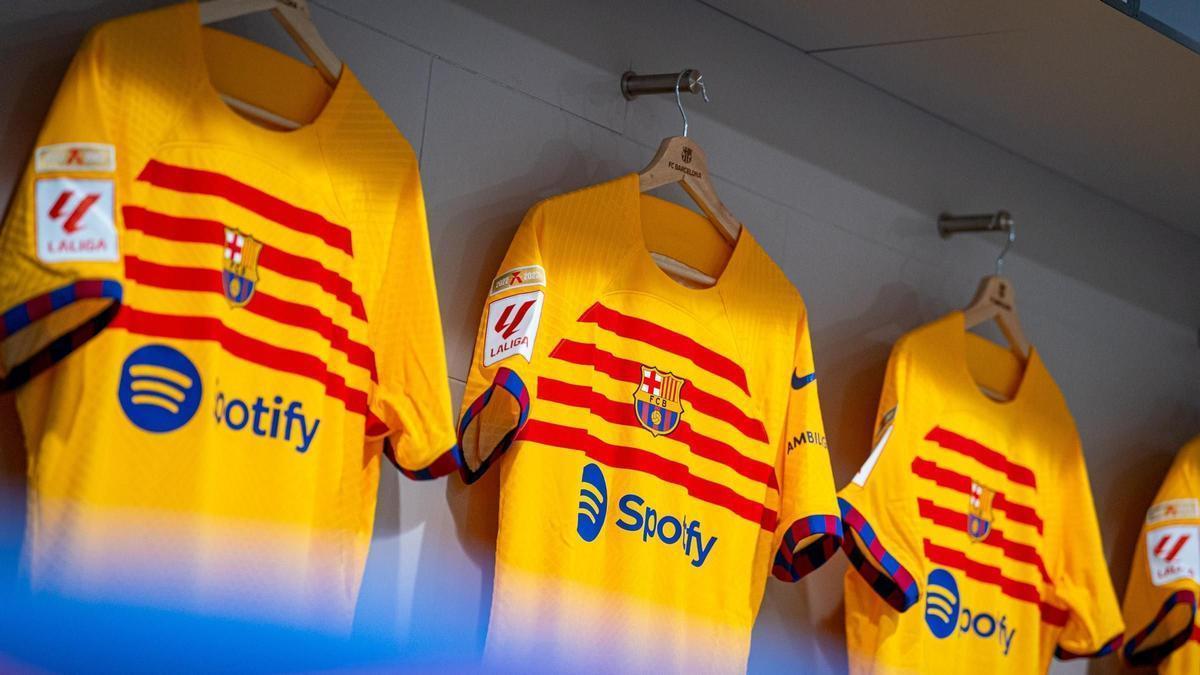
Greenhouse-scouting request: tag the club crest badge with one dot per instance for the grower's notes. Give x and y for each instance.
(658, 402)
(239, 275)
(979, 516)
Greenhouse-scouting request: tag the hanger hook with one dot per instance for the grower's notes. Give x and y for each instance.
(679, 101)
(1003, 219)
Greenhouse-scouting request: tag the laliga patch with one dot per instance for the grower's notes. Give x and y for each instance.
(1173, 509)
(75, 220)
(512, 325)
(1173, 553)
(75, 157)
(518, 277)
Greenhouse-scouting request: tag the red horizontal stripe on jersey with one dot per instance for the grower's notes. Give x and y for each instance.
(1017, 473)
(650, 333)
(199, 181)
(957, 520)
(262, 304)
(622, 412)
(631, 371)
(1018, 513)
(636, 459)
(989, 574)
(200, 231)
(255, 351)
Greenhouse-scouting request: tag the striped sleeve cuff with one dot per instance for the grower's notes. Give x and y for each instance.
(1152, 655)
(508, 381)
(32, 310)
(792, 565)
(894, 584)
(446, 463)
(1108, 648)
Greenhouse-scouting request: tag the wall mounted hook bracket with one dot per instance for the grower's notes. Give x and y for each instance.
(634, 85)
(1000, 221)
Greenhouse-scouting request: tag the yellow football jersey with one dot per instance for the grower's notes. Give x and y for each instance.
(665, 446)
(237, 318)
(978, 512)
(1160, 601)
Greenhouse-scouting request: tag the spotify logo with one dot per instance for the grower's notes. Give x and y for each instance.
(593, 503)
(160, 388)
(941, 603)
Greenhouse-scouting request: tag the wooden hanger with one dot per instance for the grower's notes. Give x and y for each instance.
(680, 160)
(296, 19)
(995, 300)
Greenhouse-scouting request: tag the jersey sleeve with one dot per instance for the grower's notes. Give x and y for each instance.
(1164, 580)
(498, 394)
(1080, 573)
(60, 264)
(876, 506)
(411, 404)
(809, 530)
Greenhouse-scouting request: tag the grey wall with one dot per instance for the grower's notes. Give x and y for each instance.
(511, 102)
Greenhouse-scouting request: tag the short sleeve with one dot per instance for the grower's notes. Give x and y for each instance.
(875, 506)
(1164, 580)
(498, 394)
(412, 399)
(809, 530)
(1080, 572)
(60, 263)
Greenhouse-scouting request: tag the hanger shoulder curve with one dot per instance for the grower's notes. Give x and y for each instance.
(215, 11)
(682, 271)
(681, 160)
(659, 171)
(995, 300)
(296, 19)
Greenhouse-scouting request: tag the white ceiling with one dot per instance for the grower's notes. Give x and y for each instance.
(1073, 85)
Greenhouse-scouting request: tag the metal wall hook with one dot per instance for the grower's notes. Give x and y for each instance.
(1012, 238)
(1000, 221)
(689, 79)
(699, 81)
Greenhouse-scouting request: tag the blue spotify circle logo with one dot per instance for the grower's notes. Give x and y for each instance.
(941, 603)
(593, 503)
(160, 388)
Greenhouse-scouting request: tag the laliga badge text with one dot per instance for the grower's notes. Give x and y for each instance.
(75, 220)
(512, 324)
(1173, 552)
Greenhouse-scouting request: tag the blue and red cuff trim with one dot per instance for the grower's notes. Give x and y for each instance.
(897, 587)
(34, 309)
(510, 382)
(446, 463)
(792, 565)
(1108, 648)
(1158, 652)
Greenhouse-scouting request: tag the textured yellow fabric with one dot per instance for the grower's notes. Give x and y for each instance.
(1164, 581)
(971, 524)
(266, 315)
(668, 453)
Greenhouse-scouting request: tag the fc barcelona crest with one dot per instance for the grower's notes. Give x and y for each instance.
(240, 274)
(979, 516)
(657, 401)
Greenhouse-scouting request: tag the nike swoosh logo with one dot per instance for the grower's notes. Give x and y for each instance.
(802, 382)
